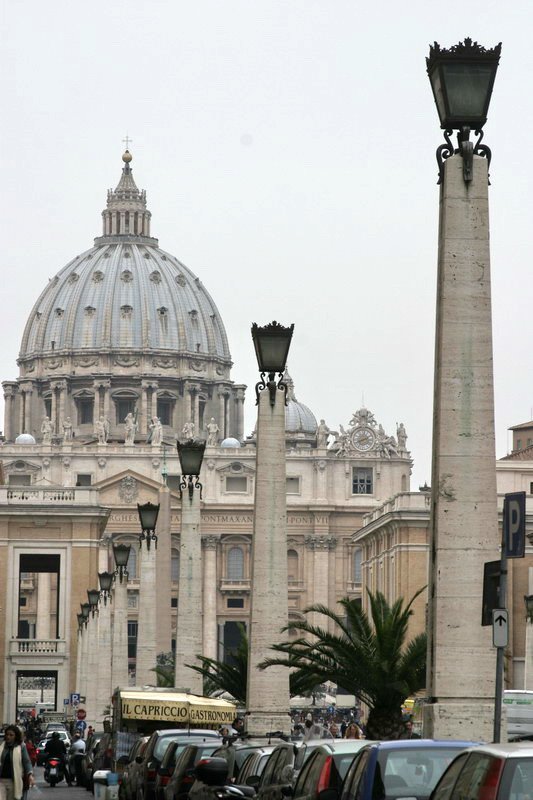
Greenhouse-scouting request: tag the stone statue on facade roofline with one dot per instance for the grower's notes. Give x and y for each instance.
(130, 428)
(341, 441)
(47, 430)
(187, 431)
(401, 433)
(67, 430)
(101, 430)
(212, 432)
(322, 434)
(156, 432)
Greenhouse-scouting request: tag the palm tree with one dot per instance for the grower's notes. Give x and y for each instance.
(367, 655)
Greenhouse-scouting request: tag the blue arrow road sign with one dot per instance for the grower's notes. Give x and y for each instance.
(514, 524)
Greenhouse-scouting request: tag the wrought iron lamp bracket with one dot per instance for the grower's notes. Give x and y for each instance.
(191, 483)
(122, 572)
(148, 537)
(467, 150)
(272, 387)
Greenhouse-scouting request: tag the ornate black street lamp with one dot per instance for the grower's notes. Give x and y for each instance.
(121, 554)
(191, 455)
(528, 602)
(93, 596)
(106, 582)
(462, 78)
(85, 611)
(148, 518)
(271, 344)
(81, 621)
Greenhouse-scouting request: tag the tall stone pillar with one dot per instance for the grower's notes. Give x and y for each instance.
(239, 422)
(209, 544)
(528, 667)
(189, 619)
(222, 414)
(9, 419)
(103, 674)
(268, 690)
(147, 626)
(463, 528)
(62, 390)
(44, 590)
(119, 650)
(163, 584)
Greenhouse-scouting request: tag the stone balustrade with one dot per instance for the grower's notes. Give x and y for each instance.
(233, 585)
(37, 647)
(29, 495)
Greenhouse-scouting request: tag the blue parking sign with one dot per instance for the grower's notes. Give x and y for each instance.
(74, 698)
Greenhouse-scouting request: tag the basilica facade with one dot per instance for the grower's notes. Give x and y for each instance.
(124, 352)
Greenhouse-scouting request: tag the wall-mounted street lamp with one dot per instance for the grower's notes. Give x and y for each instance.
(191, 455)
(271, 344)
(462, 79)
(106, 582)
(121, 554)
(528, 602)
(148, 518)
(85, 611)
(81, 621)
(93, 596)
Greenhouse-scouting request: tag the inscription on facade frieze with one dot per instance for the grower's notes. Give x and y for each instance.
(221, 519)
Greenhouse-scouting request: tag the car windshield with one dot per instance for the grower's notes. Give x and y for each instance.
(402, 772)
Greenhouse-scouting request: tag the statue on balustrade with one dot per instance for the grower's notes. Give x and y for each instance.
(47, 430)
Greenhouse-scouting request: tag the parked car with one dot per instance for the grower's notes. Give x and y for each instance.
(325, 768)
(132, 770)
(253, 766)
(489, 772)
(87, 762)
(155, 750)
(54, 726)
(234, 754)
(404, 768)
(282, 768)
(176, 774)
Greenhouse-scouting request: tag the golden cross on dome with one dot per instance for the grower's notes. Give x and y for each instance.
(127, 141)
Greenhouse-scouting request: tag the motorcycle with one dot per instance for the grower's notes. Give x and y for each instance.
(54, 770)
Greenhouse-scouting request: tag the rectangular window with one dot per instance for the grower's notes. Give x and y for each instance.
(235, 602)
(23, 601)
(48, 408)
(234, 484)
(293, 485)
(519, 444)
(124, 407)
(83, 479)
(85, 411)
(357, 571)
(132, 638)
(19, 480)
(531, 488)
(164, 411)
(173, 602)
(362, 481)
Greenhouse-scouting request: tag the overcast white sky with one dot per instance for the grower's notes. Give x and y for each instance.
(288, 151)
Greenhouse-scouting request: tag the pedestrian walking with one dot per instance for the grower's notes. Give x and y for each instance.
(15, 765)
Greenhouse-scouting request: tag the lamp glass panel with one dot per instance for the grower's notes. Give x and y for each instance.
(94, 596)
(106, 579)
(121, 553)
(272, 351)
(191, 457)
(148, 516)
(438, 94)
(85, 609)
(468, 88)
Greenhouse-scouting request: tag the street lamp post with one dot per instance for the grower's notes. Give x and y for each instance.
(119, 650)
(268, 691)
(189, 619)
(464, 522)
(93, 655)
(83, 652)
(146, 630)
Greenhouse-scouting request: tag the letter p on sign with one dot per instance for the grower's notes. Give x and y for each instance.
(514, 524)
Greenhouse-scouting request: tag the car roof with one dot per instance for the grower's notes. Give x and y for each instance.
(506, 750)
(401, 744)
(343, 745)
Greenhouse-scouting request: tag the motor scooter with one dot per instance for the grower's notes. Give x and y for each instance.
(54, 770)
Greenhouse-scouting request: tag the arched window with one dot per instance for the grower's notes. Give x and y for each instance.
(357, 560)
(292, 565)
(132, 563)
(235, 564)
(175, 566)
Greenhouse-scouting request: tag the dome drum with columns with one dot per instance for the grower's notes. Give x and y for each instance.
(124, 327)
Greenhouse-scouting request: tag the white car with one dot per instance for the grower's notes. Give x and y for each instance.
(63, 735)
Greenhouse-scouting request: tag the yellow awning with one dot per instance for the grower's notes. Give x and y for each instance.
(188, 709)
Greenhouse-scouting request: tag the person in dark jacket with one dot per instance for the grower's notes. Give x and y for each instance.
(55, 746)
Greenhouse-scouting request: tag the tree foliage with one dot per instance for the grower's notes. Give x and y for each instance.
(366, 654)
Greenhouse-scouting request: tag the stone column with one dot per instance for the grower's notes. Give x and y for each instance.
(189, 619)
(103, 674)
(528, 666)
(163, 584)
(209, 544)
(240, 415)
(222, 414)
(9, 396)
(146, 632)
(62, 388)
(106, 386)
(464, 519)
(44, 590)
(143, 425)
(268, 690)
(119, 650)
